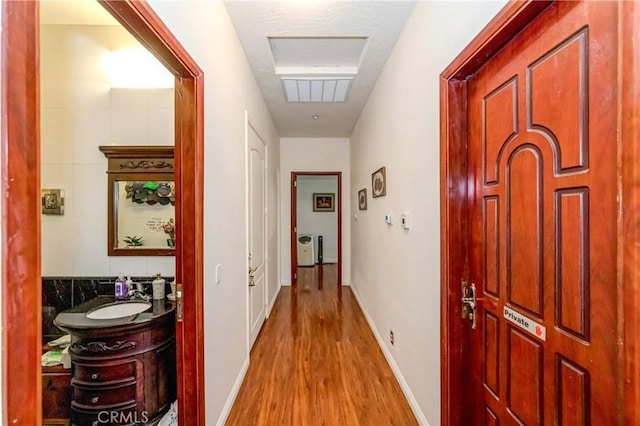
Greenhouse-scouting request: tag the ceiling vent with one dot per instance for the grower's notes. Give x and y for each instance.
(316, 89)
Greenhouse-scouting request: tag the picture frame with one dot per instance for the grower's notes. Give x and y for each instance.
(324, 202)
(53, 201)
(362, 199)
(379, 183)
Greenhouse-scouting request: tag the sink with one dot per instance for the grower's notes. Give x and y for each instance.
(118, 310)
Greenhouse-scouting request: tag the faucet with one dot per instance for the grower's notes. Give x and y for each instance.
(138, 292)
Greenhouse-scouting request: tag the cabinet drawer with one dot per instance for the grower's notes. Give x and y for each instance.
(104, 397)
(89, 374)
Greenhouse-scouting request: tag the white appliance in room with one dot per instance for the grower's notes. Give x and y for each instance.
(306, 254)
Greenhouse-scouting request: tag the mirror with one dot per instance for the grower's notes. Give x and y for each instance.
(141, 200)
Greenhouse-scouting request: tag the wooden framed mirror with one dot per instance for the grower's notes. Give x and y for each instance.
(141, 200)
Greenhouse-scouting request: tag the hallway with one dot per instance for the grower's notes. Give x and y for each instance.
(316, 362)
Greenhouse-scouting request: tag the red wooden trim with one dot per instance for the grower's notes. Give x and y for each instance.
(339, 198)
(511, 19)
(294, 218)
(294, 223)
(453, 175)
(21, 185)
(146, 26)
(453, 216)
(143, 23)
(21, 282)
(138, 17)
(629, 236)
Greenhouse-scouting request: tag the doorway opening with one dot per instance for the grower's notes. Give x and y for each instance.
(316, 221)
(22, 383)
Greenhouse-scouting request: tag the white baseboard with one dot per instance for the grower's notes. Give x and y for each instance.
(222, 419)
(273, 302)
(392, 363)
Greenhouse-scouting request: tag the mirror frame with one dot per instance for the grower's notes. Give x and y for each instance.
(135, 163)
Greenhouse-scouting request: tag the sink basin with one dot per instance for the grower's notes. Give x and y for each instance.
(118, 310)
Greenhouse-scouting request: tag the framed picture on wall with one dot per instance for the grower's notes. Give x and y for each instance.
(324, 202)
(362, 199)
(379, 183)
(53, 201)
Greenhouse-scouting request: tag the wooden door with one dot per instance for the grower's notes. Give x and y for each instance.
(542, 227)
(257, 246)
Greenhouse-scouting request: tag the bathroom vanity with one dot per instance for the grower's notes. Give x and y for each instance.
(123, 370)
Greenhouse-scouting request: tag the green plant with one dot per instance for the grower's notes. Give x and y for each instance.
(133, 241)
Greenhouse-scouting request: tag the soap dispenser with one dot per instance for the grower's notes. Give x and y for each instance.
(121, 288)
(158, 287)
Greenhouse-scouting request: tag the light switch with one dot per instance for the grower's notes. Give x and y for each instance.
(405, 220)
(387, 219)
(218, 273)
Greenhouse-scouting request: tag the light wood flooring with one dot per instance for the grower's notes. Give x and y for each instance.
(316, 362)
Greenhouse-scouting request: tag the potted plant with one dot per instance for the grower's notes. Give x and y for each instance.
(133, 241)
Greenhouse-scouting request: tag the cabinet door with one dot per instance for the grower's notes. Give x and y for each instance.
(56, 398)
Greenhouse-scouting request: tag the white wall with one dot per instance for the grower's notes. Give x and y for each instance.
(396, 272)
(314, 155)
(318, 223)
(79, 112)
(204, 29)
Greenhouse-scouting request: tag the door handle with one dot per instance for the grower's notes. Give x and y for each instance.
(252, 283)
(469, 301)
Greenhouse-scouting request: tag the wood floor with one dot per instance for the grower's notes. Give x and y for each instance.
(316, 362)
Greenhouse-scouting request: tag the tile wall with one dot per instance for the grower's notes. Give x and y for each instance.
(79, 112)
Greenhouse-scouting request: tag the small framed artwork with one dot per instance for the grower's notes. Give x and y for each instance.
(324, 202)
(53, 201)
(362, 199)
(379, 183)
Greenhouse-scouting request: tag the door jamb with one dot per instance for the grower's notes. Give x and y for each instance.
(20, 144)
(294, 223)
(453, 197)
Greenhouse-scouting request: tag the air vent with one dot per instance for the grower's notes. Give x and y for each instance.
(316, 89)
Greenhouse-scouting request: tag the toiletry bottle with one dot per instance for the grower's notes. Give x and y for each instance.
(158, 287)
(121, 288)
(128, 285)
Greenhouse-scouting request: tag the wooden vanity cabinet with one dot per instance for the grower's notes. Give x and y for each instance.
(124, 375)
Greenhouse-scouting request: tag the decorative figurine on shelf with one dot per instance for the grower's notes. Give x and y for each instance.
(133, 241)
(170, 230)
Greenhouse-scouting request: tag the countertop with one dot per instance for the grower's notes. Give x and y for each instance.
(74, 320)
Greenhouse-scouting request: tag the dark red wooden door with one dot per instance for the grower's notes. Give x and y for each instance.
(542, 144)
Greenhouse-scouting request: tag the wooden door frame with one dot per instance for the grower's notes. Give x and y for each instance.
(20, 147)
(514, 17)
(294, 222)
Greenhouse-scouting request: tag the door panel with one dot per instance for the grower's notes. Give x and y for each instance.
(543, 221)
(257, 223)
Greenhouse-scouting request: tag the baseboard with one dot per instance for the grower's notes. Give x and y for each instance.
(222, 419)
(273, 302)
(392, 363)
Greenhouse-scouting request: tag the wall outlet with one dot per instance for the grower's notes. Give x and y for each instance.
(391, 337)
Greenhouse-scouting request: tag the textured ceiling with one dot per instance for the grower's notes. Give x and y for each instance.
(259, 23)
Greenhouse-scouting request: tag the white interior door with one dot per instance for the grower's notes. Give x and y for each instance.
(256, 225)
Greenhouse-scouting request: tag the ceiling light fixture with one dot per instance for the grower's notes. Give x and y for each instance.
(315, 117)
(316, 89)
